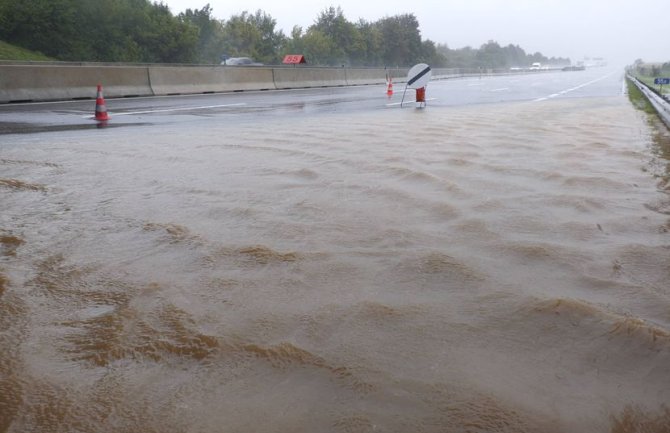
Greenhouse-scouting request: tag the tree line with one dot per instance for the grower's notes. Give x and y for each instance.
(147, 32)
(651, 69)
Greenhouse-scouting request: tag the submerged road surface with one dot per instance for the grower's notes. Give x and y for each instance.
(324, 261)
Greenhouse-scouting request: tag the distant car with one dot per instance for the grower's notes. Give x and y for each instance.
(573, 68)
(535, 67)
(240, 61)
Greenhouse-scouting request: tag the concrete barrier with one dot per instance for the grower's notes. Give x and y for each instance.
(169, 80)
(361, 77)
(62, 82)
(301, 77)
(47, 81)
(446, 73)
(378, 76)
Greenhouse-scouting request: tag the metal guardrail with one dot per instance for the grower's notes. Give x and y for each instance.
(660, 103)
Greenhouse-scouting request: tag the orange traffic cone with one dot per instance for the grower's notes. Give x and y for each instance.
(100, 107)
(389, 88)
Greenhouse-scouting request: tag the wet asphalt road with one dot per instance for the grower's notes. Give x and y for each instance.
(239, 106)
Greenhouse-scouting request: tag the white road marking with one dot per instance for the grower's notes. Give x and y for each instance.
(563, 92)
(170, 110)
(408, 102)
(502, 89)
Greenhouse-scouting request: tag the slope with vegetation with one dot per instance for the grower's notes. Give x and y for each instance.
(12, 52)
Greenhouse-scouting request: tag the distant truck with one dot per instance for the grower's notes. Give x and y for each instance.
(536, 66)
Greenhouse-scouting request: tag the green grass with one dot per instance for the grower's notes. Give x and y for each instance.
(638, 99)
(659, 166)
(650, 81)
(12, 52)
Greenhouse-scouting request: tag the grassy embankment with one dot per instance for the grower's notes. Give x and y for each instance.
(638, 99)
(12, 52)
(649, 80)
(660, 165)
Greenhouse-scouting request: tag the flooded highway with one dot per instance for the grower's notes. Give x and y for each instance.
(497, 262)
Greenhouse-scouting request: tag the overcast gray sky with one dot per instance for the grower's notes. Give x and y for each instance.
(619, 30)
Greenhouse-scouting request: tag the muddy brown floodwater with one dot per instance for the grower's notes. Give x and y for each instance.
(494, 268)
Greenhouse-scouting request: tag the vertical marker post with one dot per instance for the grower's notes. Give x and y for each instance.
(417, 79)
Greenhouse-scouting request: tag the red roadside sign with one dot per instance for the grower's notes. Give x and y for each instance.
(294, 59)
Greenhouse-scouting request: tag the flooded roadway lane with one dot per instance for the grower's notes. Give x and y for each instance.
(474, 268)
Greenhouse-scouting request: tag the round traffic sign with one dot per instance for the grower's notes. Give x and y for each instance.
(418, 76)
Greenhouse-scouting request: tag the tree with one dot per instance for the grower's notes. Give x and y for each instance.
(122, 30)
(491, 56)
(515, 55)
(165, 39)
(209, 47)
(271, 41)
(655, 70)
(431, 56)
(239, 35)
(401, 38)
(320, 49)
(294, 43)
(41, 25)
(372, 40)
(536, 57)
(254, 36)
(462, 58)
(345, 37)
